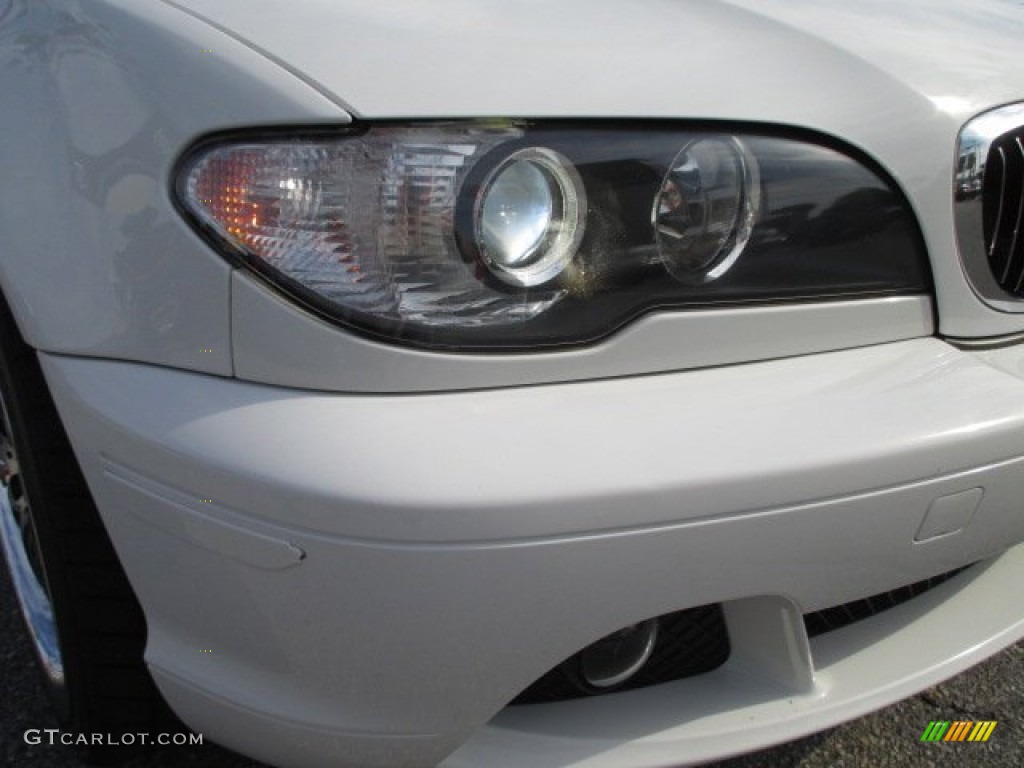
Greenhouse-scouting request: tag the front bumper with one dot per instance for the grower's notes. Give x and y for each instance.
(368, 580)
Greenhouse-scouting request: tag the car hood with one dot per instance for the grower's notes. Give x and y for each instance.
(823, 63)
(895, 79)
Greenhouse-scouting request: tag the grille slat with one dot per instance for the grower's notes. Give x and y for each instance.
(1015, 244)
(997, 165)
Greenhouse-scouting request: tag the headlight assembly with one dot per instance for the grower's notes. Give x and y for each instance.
(519, 235)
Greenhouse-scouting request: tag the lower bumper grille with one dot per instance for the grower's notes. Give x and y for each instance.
(696, 641)
(828, 619)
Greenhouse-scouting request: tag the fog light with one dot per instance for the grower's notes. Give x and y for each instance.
(614, 659)
(705, 209)
(529, 217)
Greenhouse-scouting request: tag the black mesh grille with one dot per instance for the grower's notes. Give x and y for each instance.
(826, 620)
(1003, 211)
(689, 643)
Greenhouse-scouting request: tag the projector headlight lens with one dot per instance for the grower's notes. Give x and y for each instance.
(530, 217)
(506, 235)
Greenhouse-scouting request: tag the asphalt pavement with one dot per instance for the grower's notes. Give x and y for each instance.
(993, 690)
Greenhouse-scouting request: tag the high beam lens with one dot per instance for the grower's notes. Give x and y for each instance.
(529, 217)
(705, 209)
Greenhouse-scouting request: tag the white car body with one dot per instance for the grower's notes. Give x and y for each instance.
(383, 546)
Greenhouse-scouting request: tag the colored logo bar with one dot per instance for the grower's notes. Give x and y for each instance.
(958, 730)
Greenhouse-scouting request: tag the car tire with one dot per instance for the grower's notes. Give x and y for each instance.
(85, 624)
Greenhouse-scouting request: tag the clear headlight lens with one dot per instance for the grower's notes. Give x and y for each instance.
(519, 235)
(705, 210)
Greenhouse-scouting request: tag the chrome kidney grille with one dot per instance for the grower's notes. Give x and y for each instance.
(988, 190)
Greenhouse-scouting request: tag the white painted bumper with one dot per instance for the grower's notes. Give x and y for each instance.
(368, 580)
